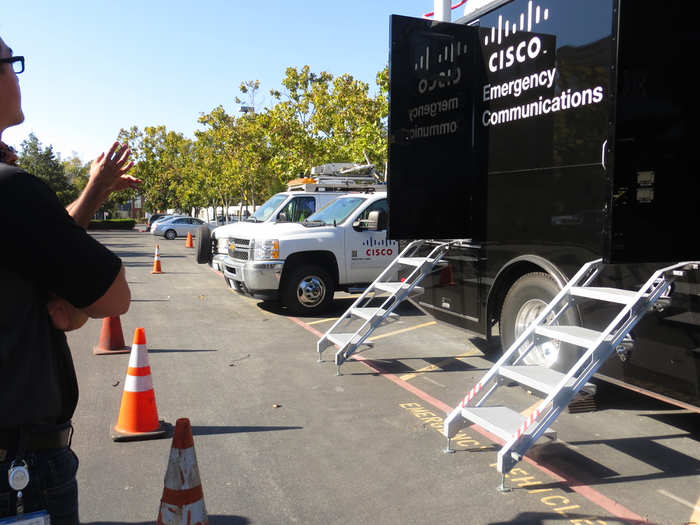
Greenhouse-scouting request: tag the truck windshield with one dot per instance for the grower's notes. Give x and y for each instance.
(335, 212)
(264, 211)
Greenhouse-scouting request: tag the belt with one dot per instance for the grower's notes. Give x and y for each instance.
(36, 441)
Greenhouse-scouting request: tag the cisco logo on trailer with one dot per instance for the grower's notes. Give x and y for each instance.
(522, 51)
(378, 248)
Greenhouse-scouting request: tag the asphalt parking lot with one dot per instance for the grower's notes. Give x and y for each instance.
(280, 438)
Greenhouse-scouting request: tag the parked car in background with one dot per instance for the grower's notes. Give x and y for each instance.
(153, 218)
(178, 226)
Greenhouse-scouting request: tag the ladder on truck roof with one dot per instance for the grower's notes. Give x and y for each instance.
(558, 388)
(339, 176)
(345, 332)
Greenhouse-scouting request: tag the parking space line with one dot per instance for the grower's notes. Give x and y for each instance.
(695, 508)
(395, 332)
(323, 321)
(588, 492)
(440, 365)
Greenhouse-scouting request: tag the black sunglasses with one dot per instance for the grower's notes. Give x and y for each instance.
(17, 63)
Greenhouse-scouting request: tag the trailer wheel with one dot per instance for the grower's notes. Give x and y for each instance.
(523, 303)
(308, 290)
(203, 245)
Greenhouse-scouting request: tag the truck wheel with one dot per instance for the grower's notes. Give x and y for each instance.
(170, 235)
(308, 290)
(202, 244)
(523, 303)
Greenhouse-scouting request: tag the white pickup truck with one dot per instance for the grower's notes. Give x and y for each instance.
(303, 197)
(341, 247)
(289, 206)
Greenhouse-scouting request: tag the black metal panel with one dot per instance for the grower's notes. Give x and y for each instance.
(654, 202)
(430, 129)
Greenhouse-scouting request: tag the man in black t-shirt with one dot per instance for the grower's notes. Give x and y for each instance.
(53, 276)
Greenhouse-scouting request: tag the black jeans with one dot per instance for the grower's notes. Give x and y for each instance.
(52, 486)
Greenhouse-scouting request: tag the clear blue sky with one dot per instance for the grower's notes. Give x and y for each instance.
(93, 67)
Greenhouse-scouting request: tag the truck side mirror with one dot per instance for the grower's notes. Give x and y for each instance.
(372, 223)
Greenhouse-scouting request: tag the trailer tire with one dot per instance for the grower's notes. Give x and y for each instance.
(522, 304)
(308, 290)
(203, 245)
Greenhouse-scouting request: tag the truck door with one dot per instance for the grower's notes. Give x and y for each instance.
(367, 253)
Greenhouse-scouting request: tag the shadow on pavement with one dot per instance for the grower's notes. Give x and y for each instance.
(541, 518)
(668, 463)
(172, 350)
(203, 430)
(213, 520)
(338, 307)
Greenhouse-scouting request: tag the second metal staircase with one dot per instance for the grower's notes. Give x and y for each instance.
(372, 308)
(558, 388)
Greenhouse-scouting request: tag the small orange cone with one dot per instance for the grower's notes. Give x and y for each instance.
(138, 415)
(156, 261)
(188, 242)
(111, 338)
(183, 499)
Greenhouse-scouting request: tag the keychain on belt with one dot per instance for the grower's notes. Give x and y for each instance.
(18, 479)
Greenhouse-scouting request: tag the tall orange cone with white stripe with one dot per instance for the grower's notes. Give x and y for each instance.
(156, 261)
(188, 242)
(138, 415)
(183, 499)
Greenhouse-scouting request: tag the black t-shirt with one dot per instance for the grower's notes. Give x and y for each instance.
(42, 251)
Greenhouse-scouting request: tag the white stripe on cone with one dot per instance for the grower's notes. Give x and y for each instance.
(138, 383)
(182, 473)
(139, 356)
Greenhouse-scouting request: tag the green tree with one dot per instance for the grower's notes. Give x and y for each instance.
(44, 163)
(161, 158)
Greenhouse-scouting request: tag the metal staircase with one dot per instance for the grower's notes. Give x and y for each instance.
(519, 431)
(372, 308)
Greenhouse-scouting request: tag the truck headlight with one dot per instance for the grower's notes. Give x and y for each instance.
(265, 249)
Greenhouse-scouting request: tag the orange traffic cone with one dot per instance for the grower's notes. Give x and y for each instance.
(156, 261)
(183, 499)
(188, 242)
(111, 338)
(138, 415)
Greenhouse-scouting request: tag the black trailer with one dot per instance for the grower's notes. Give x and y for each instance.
(548, 133)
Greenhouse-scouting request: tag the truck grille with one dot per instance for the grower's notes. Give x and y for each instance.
(238, 249)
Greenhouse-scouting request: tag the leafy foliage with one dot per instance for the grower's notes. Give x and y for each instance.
(42, 162)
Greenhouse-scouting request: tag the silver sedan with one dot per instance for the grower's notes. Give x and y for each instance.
(177, 227)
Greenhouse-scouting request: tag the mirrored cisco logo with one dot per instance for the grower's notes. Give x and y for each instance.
(527, 49)
(438, 63)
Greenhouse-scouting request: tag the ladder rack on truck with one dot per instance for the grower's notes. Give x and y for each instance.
(339, 176)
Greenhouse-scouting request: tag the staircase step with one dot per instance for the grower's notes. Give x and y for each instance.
(611, 295)
(576, 335)
(539, 378)
(393, 287)
(412, 261)
(369, 313)
(502, 421)
(343, 340)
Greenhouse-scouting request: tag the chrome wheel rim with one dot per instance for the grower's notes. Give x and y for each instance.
(545, 354)
(311, 291)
